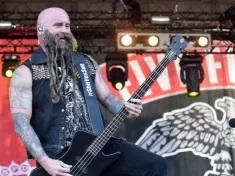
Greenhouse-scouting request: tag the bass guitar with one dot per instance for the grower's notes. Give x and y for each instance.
(85, 153)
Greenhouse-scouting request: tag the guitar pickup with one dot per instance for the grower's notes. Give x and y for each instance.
(78, 160)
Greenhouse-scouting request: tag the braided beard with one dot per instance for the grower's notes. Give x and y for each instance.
(59, 51)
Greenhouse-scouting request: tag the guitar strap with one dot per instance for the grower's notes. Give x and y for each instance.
(88, 87)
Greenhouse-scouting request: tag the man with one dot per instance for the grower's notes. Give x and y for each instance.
(47, 105)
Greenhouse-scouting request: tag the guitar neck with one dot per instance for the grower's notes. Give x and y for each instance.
(145, 86)
(103, 138)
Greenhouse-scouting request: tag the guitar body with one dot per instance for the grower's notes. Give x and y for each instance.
(80, 143)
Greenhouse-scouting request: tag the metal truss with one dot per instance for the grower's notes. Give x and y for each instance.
(107, 46)
(95, 23)
(185, 14)
(184, 21)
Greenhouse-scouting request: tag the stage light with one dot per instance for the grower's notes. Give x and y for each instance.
(5, 25)
(119, 86)
(126, 40)
(160, 20)
(8, 69)
(199, 41)
(203, 41)
(140, 41)
(117, 70)
(153, 41)
(117, 77)
(10, 63)
(9, 73)
(192, 73)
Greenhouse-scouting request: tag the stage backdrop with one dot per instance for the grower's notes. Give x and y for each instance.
(191, 133)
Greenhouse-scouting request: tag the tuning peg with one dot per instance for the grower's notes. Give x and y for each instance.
(171, 36)
(166, 44)
(182, 50)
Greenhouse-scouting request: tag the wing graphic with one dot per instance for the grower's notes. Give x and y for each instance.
(193, 127)
(196, 128)
(227, 106)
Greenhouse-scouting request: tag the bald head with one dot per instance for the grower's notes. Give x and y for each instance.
(49, 14)
(54, 20)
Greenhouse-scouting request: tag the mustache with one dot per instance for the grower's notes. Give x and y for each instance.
(54, 46)
(64, 36)
(50, 40)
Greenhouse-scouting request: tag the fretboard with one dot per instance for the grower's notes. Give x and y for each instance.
(103, 138)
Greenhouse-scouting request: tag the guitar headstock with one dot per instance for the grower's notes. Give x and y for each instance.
(178, 44)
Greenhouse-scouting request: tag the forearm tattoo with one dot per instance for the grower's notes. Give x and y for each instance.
(21, 106)
(109, 100)
(28, 135)
(113, 103)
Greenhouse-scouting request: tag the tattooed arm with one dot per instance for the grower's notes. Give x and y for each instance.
(21, 109)
(110, 101)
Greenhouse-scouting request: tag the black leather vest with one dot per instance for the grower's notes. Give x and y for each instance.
(48, 119)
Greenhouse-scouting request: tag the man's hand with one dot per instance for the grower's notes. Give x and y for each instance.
(134, 107)
(55, 167)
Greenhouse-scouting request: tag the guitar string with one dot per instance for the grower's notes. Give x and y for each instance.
(121, 114)
(88, 153)
(135, 94)
(85, 165)
(138, 93)
(121, 119)
(90, 159)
